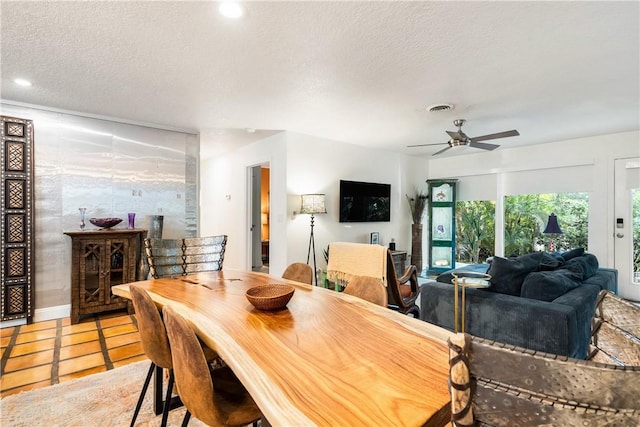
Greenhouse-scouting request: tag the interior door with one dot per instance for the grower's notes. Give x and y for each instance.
(627, 227)
(256, 229)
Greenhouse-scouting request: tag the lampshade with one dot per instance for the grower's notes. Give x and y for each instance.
(552, 225)
(313, 204)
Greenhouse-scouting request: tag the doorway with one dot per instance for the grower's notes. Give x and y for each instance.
(259, 202)
(627, 226)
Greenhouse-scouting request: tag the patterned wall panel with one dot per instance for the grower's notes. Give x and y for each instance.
(16, 266)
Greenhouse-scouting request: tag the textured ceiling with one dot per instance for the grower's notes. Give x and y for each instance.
(359, 72)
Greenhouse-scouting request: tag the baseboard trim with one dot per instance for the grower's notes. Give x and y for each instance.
(40, 315)
(50, 313)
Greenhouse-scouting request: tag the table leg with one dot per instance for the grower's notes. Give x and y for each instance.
(455, 305)
(462, 308)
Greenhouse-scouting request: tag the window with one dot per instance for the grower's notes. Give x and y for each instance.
(526, 215)
(475, 230)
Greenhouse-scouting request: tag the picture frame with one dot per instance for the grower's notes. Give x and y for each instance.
(374, 238)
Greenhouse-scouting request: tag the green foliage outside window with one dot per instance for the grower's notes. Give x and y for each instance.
(525, 218)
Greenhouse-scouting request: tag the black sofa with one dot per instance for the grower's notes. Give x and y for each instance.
(539, 301)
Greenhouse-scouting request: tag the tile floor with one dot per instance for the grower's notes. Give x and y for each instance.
(53, 351)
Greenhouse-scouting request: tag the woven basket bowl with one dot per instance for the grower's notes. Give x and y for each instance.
(105, 222)
(270, 297)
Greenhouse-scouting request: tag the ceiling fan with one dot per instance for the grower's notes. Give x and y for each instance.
(459, 138)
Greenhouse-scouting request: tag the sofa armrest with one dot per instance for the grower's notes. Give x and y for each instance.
(539, 325)
(605, 278)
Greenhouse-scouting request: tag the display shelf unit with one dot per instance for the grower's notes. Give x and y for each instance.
(442, 225)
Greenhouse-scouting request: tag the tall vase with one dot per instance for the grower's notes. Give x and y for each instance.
(416, 246)
(82, 213)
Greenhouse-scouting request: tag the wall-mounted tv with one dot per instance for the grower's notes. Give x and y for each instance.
(364, 202)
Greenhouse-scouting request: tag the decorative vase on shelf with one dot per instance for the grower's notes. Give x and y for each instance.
(82, 213)
(132, 220)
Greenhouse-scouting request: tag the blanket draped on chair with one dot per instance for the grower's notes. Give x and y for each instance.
(348, 260)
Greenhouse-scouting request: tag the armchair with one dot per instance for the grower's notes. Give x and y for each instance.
(403, 291)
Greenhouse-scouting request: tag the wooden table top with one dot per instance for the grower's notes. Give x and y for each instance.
(328, 359)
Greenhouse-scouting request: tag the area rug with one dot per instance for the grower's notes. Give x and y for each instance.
(104, 399)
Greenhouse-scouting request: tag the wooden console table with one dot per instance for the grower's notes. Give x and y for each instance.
(101, 259)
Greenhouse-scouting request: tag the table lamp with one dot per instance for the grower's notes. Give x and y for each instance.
(552, 228)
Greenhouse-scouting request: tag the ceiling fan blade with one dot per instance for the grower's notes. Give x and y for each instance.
(441, 151)
(456, 135)
(426, 145)
(504, 134)
(483, 146)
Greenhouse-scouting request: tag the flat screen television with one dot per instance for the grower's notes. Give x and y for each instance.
(364, 202)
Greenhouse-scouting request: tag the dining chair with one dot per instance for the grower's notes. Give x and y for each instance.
(179, 257)
(403, 291)
(501, 385)
(214, 397)
(367, 288)
(155, 343)
(299, 272)
(615, 331)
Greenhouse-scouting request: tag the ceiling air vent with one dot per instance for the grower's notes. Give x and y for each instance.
(440, 107)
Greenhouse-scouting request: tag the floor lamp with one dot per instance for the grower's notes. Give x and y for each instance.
(312, 204)
(552, 228)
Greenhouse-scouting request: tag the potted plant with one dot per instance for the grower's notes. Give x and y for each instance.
(417, 204)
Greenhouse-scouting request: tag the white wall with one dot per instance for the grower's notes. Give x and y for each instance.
(302, 164)
(224, 200)
(585, 164)
(317, 165)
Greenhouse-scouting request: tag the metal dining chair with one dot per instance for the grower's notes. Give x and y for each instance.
(367, 288)
(501, 385)
(179, 257)
(214, 397)
(299, 272)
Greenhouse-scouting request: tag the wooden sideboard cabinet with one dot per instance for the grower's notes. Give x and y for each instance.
(101, 259)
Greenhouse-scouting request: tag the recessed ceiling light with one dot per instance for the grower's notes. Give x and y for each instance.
(22, 82)
(231, 9)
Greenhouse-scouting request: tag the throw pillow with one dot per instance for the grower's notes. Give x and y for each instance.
(507, 274)
(584, 266)
(550, 261)
(573, 253)
(548, 285)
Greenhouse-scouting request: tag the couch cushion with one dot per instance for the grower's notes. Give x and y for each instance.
(507, 274)
(572, 253)
(584, 266)
(549, 285)
(550, 261)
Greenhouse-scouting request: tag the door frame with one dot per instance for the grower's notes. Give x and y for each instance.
(623, 236)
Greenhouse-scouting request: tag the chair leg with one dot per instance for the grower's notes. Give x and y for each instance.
(167, 400)
(187, 417)
(142, 393)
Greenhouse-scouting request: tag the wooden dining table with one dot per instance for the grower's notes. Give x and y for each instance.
(327, 359)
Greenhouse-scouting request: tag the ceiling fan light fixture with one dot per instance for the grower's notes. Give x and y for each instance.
(440, 107)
